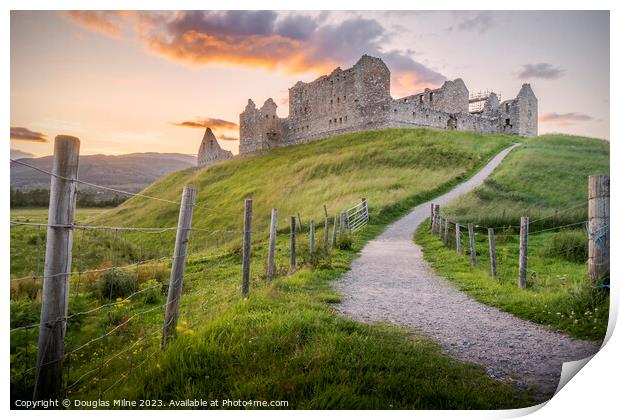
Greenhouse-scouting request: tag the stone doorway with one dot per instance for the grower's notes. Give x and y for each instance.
(452, 122)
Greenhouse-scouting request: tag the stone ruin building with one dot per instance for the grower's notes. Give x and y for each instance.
(359, 99)
(210, 151)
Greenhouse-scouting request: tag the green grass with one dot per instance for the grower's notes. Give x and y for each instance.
(285, 341)
(542, 179)
(546, 177)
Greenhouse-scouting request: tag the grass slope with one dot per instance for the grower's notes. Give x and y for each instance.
(285, 341)
(545, 178)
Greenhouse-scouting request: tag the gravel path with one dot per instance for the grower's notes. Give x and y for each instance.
(392, 282)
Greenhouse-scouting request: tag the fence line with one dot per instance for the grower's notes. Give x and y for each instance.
(598, 237)
(126, 247)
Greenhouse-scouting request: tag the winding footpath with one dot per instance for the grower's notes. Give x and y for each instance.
(391, 282)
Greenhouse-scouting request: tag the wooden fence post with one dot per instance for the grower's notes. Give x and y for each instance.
(598, 225)
(52, 329)
(525, 221)
(436, 218)
(175, 286)
(292, 244)
(347, 227)
(311, 237)
(247, 241)
(492, 257)
(272, 244)
(457, 236)
(326, 230)
(440, 230)
(432, 217)
(472, 244)
(446, 232)
(335, 233)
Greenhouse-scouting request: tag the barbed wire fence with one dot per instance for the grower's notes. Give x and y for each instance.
(464, 237)
(102, 271)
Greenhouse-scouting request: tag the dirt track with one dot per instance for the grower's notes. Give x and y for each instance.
(392, 282)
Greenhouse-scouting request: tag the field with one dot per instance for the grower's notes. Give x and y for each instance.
(545, 179)
(285, 342)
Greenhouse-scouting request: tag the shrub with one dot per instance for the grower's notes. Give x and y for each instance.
(570, 245)
(26, 288)
(116, 284)
(119, 312)
(345, 241)
(154, 292)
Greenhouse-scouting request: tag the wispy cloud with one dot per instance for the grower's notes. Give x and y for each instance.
(473, 21)
(107, 22)
(213, 123)
(540, 71)
(569, 118)
(295, 43)
(227, 138)
(24, 134)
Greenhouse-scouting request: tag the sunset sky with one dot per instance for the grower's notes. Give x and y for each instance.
(127, 82)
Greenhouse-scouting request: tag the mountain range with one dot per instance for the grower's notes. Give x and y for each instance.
(131, 172)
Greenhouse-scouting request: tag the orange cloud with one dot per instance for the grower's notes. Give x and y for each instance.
(294, 43)
(569, 118)
(24, 134)
(105, 21)
(213, 123)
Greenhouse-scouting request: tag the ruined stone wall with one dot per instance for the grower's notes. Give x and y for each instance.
(527, 112)
(261, 129)
(359, 98)
(210, 151)
(413, 114)
(342, 100)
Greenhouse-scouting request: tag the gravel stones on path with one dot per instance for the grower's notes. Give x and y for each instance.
(391, 282)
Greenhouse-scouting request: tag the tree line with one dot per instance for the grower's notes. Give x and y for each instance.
(40, 197)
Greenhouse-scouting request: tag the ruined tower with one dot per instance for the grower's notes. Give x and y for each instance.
(210, 151)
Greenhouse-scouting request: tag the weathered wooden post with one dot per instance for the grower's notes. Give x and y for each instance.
(436, 219)
(598, 224)
(63, 193)
(292, 243)
(347, 226)
(247, 240)
(525, 221)
(175, 287)
(492, 257)
(440, 227)
(311, 237)
(326, 230)
(446, 232)
(472, 244)
(432, 217)
(335, 233)
(457, 236)
(272, 244)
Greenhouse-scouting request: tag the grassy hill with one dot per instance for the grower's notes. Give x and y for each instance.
(546, 179)
(285, 342)
(392, 168)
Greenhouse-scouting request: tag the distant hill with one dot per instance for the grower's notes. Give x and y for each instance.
(20, 154)
(132, 172)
